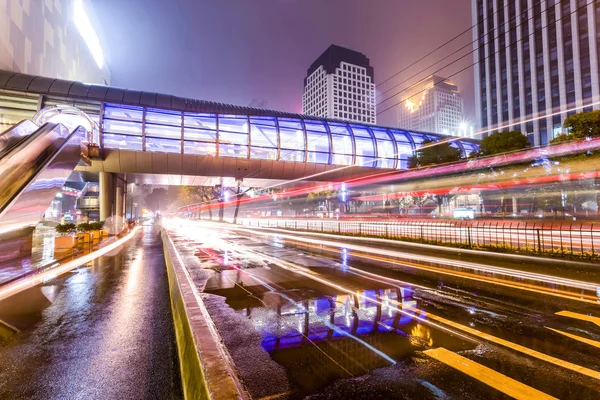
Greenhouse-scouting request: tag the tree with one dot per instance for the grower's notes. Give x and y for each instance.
(199, 194)
(356, 202)
(502, 142)
(580, 126)
(431, 153)
(327, 195)
(156, 198)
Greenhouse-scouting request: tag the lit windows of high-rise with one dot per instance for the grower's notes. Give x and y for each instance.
(433, 105)
(535, 59)
(340, 84)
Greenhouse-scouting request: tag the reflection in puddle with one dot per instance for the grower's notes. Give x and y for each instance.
(421, 334)
(322, 339)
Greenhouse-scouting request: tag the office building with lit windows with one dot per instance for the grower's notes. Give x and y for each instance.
(340, 84)
(433, 105)
(535, 58)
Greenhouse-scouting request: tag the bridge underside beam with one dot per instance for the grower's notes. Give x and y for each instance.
(133, 162)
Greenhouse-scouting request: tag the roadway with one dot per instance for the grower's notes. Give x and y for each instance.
(101, 331)
(334, 318)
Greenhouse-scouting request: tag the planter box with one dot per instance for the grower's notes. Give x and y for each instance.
(97, 235)
(63, 244)
(84, 237)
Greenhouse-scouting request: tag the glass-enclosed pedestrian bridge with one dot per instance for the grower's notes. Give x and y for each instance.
(135, 121)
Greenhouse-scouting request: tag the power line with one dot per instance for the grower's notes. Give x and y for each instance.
(485, 58)
(436, 49)
(450, 55)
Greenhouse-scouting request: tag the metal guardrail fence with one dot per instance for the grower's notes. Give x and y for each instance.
(564, 237)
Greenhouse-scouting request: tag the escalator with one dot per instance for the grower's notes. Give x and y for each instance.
(35, 162)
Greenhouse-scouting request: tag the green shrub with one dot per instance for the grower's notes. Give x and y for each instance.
(96, 226)
(85, 227)
(65, 228)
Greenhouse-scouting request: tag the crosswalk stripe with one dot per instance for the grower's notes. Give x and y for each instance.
(486, 375)
(591, 342)
(582, 317)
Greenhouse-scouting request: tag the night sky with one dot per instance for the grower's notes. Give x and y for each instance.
(235, 51)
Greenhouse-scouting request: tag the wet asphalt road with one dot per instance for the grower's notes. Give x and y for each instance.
(103, 331)
(304, 321)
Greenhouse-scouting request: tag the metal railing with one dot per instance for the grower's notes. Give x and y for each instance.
(562, 237)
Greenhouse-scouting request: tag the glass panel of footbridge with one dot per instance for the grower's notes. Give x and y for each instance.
(343, 151)
(404, 147)
(122, 127)
(365, 146)
(233, 136)
(163, 131)
(292, 140)
(317, 141)
(200, 134)
(386, 153)
(263, 138)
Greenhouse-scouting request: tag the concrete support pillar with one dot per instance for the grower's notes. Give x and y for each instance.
(119, 201)
(515, 205)
(106, 195)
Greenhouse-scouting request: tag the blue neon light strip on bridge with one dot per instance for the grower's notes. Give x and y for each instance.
(263, 138)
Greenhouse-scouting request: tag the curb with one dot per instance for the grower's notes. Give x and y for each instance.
(206, 369)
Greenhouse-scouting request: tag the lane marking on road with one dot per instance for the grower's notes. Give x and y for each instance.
(582, 317)
(513, 346)
(498, 381)
(591, 342)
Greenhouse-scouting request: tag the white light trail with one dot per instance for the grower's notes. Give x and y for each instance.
(28, 282)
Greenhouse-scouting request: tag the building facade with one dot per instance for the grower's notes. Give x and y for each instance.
(340, 84)
(52, 38)
(433, 105)
(536, 62)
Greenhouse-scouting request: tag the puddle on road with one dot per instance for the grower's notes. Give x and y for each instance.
(319, 335)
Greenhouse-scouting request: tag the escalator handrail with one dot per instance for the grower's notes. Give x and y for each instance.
(11, 137)
(14, 196)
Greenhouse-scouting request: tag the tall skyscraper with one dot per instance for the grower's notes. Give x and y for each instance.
(340, 84)
(535, 58)
(433, 105)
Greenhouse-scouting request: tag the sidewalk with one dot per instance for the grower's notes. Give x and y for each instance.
(101, 332)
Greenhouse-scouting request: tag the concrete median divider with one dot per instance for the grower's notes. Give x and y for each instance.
(206, 370)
